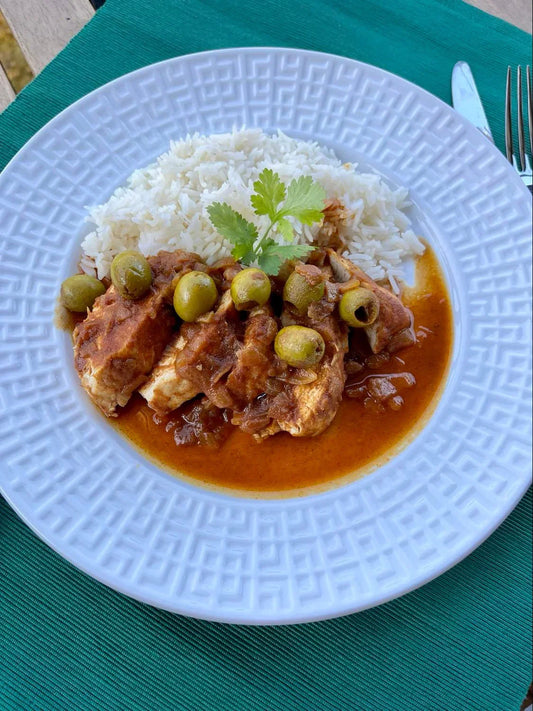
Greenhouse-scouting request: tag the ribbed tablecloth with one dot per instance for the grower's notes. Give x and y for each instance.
(462, 642)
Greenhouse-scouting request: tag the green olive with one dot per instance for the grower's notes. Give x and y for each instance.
(250, 288)
(131, 274)
(299, 292)
(299, 346)
(78, 292)
(194, 295)
(359, 307)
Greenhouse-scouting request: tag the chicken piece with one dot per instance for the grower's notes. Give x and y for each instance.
(256, 360)
(200, 354)
(302, 402)
(116, 346)
(163, 391)
(307, 409)
(211, 352)
(393, 329)
(196, 361)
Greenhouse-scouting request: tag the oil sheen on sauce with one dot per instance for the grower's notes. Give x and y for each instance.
(360, 439)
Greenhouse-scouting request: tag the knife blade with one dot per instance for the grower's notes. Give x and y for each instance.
(466, 100)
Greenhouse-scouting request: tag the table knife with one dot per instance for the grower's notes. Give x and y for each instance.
(465, 98)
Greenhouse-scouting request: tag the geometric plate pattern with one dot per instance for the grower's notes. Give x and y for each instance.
(95, 500)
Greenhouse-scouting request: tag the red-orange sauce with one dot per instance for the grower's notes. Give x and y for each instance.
(358, 440)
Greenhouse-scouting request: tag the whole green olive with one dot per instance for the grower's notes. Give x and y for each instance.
(250, 288)
(299, 292)
(79, 292)
(359, 307)
(299, 346)
(131, 274)
(195, 293)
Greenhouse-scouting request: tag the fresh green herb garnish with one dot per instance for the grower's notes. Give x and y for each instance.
(302, 199)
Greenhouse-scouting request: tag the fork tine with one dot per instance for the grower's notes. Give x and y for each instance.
(508, 125)
(529, 108)
(520, 119)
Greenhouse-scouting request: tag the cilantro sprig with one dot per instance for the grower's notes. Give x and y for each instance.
(302, 199)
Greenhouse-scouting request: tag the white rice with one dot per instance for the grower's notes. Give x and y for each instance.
(164, 206)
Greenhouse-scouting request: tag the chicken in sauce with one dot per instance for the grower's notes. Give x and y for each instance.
(121, 340)
(197, 353)
(236, 359)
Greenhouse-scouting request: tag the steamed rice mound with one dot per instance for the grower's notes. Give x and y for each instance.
(164, 206)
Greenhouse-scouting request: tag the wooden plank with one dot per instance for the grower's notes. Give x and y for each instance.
(42, 29)
(517, 12)
(6, 90)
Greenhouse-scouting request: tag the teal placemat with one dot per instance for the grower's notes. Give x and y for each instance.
(461, 642)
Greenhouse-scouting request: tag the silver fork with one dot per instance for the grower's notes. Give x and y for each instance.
(523, 162)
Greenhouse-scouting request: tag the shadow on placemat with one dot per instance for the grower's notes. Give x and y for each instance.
(527, 703)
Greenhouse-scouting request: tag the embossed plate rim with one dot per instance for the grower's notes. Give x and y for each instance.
(256, 613)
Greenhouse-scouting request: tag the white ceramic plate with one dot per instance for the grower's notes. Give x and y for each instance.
(91, 497)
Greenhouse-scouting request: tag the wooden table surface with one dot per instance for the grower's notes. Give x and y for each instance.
(517, 12)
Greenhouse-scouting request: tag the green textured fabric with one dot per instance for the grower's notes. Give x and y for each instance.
(462, 642)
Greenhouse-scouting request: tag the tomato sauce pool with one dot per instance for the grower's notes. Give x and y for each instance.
(360, 437)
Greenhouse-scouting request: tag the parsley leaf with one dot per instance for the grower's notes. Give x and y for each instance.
(243, 254)
(303, 199)
(232, 225)
(274, 254)
(269, 192)
(285, 227)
